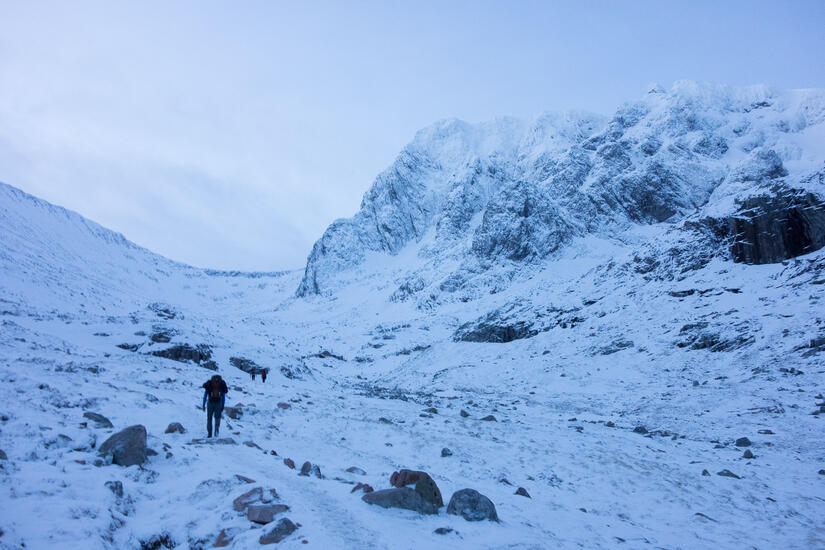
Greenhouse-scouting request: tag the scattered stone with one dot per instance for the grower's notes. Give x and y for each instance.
(235, 413)
(748, 454)
(443, 531)
(356, 470)
(127, 447)
(100, 420)
(400, 497)
(362, 487)
(610, 424)
(284, 406)
(245, 479)
(252, 444)
(446, 452)
(472, 506)
(161, 337)
(521, 491)
(505, 481)
(743, 442)
(309, 468)
(766, 432)
(213, 441)
(705, 473)
(175, 427)
(728, 473)
(464, 414)
(116, 487)
(431, 410)
(282, 529)
(223, 539)
(385, 420)
(639, 430)
(264, 513)
(821, 472)
(289, 463)
(490, 418)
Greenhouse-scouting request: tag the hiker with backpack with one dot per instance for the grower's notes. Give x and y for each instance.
(214, 397)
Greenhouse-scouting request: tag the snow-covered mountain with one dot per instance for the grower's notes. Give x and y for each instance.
(595, 310)
(512, 192)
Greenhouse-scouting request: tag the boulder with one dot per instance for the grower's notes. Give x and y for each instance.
(405, 477)
(490, 418)
(185, 353)
(264, 513)
(3, 455)
(175, 427)
(127, 447)
(282, 529)
(446, 452)
(427, 488)
(356, 470)
(472, 506)
(402, 497)
(309, 468)
(727, 473)
(743, 442)
(99, 420)
(289, 463)
(250, 497)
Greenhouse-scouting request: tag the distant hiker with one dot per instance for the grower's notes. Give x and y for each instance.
(214, 397)
(263, 375)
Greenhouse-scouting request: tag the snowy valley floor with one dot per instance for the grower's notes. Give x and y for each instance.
(564, 427)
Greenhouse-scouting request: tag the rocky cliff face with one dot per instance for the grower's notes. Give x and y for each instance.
(508, 193)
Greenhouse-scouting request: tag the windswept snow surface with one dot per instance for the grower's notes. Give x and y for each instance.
(613, 332)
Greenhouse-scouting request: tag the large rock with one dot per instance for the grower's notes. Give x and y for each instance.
(282, 529)
(472, 506)
(402, 497)
(253, 496)
(264, 513)
(127, 447)
(175, 427)
(405, 477)
(185, 353)
(427, 488)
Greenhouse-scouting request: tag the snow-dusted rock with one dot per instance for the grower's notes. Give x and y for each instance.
(472, 506)
(127, 447)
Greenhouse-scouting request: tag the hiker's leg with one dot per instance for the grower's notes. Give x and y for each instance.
(210, 410)
(218, 411)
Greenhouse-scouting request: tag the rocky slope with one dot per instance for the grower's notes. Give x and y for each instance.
(744, 164)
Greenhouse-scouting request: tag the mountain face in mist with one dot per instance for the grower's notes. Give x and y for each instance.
(740, 169)
(621, 319)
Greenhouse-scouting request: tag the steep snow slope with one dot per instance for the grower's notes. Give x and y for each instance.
(627, 323)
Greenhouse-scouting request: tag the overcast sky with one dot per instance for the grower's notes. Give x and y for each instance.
(230, 134)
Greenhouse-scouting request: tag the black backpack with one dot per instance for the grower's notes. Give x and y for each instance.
(215, 389)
